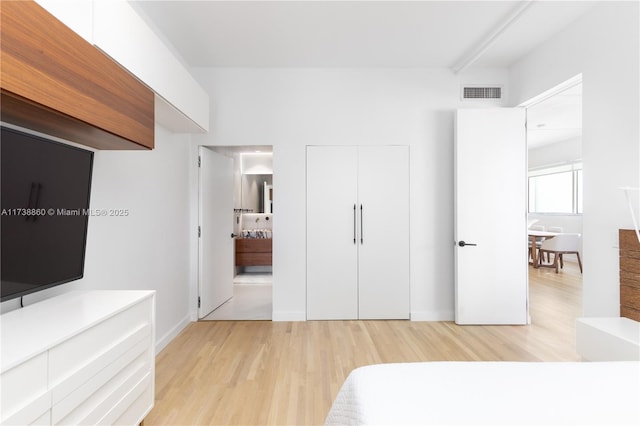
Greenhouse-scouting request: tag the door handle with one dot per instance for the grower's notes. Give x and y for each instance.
(233, 235)
(462, 243)
(354, 224)
(361, 226)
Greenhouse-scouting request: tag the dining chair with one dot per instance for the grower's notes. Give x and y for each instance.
(559, 230)
(560, 245)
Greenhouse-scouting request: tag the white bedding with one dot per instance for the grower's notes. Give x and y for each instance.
(490, 393)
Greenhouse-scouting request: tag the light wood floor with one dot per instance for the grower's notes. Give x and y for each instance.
(259, 372)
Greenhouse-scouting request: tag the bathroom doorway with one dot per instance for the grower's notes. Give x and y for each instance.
(252, 233)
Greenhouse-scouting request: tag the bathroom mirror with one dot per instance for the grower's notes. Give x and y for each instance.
(257, 193)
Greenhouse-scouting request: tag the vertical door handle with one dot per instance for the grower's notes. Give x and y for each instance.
(361, 226)
(354, 224)
(31, 204)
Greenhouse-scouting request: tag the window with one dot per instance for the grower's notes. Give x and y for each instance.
(556, 190)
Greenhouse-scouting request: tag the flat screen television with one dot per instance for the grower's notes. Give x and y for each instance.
(45, 200)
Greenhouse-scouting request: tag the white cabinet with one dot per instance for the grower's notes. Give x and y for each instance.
(75, 14)
(79, 358)
(608, 339)
(332, 246)
(358, 232)
(116, 28)
(125, 36)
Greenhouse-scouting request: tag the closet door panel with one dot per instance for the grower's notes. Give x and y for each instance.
(383, 187)
(332, 254)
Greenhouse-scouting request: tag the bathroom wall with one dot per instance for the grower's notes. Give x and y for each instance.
(257, 221)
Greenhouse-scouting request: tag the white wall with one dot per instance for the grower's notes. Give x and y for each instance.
(292, 108)
(558, 153)
(604, 46)
(569, 223)
(257, 163)
(148, 249)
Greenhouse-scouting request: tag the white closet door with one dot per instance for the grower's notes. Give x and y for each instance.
(383, 242)
(332, 273)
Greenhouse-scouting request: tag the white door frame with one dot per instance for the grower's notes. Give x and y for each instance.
(195, 198)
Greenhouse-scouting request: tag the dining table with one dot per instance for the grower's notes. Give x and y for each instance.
(533, 236)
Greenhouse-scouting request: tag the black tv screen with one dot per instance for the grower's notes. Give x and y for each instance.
(45, 201)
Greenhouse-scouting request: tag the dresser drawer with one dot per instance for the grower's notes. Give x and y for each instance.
(253, 259)
(96, 401)
(25, 396)
(83, 349)
(254, 245)
(94, 374)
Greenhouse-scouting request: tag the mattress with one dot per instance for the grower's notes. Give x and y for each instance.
(490, 393)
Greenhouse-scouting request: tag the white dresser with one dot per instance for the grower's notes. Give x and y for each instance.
(80, 358)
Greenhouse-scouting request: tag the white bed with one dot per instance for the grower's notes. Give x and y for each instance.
(490, 393)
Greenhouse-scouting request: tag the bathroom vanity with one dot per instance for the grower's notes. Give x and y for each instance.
(253, 251)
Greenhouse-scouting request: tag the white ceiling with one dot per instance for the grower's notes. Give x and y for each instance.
(555, 119)
(362, 33)
(353, 33)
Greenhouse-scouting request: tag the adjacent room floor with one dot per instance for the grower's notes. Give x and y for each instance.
(252, 299)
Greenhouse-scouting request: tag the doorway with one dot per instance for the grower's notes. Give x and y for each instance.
(252, 233)
(554, 145)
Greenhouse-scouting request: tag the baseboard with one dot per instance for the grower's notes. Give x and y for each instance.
(162, 342)
(432, 316)
(289, 316)
(415, 316)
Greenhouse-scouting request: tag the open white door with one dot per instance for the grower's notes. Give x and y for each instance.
(491, 282)
(215, 281)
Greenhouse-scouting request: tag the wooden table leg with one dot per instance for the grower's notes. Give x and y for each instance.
(534, 251)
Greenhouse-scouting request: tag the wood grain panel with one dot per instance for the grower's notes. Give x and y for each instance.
(257, 245)
(64, 78)
(629, 263)
(253, 251)
(628, 240)
(27, 114)
(629, 274)
(253, 259)
(630, 313)
(629, 279)
(631, 297)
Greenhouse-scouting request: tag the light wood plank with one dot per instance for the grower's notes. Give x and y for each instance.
(259, 372)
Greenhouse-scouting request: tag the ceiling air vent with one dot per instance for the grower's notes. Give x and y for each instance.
(481, 92)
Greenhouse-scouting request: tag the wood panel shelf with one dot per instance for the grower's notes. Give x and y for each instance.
(55, 82)
(629, 274)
